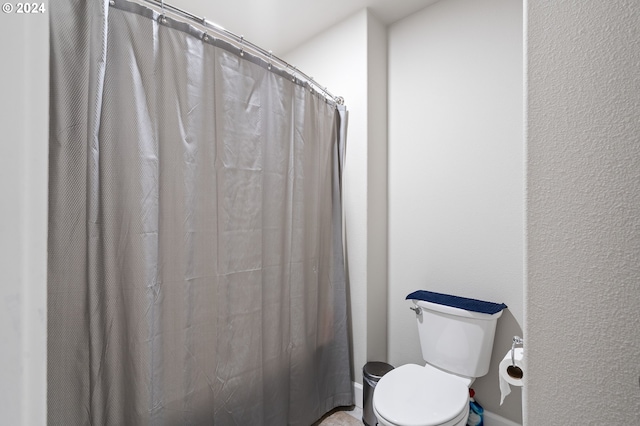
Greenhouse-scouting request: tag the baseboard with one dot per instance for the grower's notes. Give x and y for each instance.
(491, 419)
(357, 392)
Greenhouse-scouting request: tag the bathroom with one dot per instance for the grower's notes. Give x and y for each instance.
(518, 206)
(451, 171)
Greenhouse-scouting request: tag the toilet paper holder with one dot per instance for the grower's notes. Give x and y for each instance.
(513, 370)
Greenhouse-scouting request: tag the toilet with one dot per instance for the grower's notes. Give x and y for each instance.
(456, 337)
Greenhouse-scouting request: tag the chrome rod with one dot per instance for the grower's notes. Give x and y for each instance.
(267, 55)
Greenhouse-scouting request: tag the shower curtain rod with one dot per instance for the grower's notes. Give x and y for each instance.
(239, 39)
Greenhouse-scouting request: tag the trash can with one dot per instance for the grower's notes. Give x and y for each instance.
(371, 373)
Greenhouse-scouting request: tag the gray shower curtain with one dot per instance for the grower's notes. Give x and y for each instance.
(195, 254)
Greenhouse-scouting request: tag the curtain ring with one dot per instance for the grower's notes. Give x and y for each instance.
(241, 45)
(270, 59)
(205, 36)
(162, 18)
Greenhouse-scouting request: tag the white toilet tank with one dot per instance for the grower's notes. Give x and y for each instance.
(454, 339)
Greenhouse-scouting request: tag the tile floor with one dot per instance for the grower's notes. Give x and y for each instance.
(342, 418)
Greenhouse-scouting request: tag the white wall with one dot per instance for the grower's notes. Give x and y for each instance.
(377, 196)
(456, 170)
(350, 59)
(583, 292)
(24, 121)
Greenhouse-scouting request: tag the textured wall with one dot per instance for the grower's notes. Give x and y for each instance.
(583, 290)
(456, 170)
(24, 118)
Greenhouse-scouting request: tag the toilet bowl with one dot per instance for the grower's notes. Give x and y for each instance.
(414, 395)
(456, 338)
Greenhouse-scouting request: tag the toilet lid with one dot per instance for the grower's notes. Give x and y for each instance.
(413, 395)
